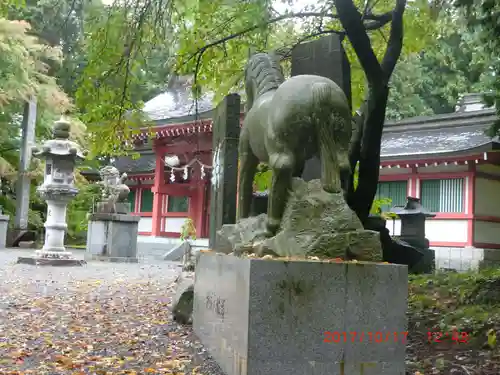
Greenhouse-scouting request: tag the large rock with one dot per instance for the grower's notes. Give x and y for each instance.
(182, 304)
(315, 223)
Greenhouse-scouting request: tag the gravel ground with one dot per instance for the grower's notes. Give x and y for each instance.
(102, 318)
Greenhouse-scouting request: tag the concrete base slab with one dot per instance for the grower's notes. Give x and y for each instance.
(111, 259)
(37, 261)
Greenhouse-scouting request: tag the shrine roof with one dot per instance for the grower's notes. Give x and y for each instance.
(458, 133)
(145, 163)
(177, 102)
(436, 135)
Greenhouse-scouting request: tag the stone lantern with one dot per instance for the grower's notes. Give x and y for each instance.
(58, 189)
(413, 216)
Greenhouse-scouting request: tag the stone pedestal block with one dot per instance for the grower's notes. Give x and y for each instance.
(4, 225)
(112, 237)
(301, 317)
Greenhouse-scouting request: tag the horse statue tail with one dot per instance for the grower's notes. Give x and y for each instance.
(333, 128)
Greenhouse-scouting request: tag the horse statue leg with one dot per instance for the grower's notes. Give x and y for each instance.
(283, 167)
(248, 167)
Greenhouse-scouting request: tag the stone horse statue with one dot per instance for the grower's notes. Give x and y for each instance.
(288, 122)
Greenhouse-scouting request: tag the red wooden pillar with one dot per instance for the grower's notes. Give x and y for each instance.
(200, 210)
(159, 180)
(137, 200)
(470, 192)
(413, 188)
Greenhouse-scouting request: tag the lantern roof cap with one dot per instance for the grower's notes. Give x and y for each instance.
(60, 145)
(412, 207)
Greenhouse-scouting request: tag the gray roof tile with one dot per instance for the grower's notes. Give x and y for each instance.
(145, 163)
(433, 141)
(438, 134)
(176, 102)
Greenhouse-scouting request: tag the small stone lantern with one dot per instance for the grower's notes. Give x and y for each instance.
(413, 216)
(58, 189)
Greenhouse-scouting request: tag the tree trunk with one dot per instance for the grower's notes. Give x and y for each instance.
(361, 200)
(370, 118)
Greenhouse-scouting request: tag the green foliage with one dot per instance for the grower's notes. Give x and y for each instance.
(129, 48)
(79, 208)
(25, 72)
(483, 18)
(263, 177)
(188, 230)
(126, 63)
(57, 23)
(469, 301)
(30, 62)
(255, 25)
(430, 82)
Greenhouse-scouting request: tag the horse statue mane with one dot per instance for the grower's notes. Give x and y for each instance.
(287, 122)
(267, 74)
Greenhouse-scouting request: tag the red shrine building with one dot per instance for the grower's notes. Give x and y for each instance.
(445, 160)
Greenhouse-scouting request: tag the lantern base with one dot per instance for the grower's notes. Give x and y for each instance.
(51, 258)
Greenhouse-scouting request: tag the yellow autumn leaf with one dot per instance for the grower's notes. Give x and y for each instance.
(492, 338)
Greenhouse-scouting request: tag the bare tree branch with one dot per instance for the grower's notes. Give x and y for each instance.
(395, 44)
(376, 22)
(351, 20)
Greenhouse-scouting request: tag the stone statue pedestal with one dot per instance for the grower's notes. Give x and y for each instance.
(282, 317)
(112, 237)
(4, 225)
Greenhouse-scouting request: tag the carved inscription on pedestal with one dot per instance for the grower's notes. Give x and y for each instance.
(216, 304)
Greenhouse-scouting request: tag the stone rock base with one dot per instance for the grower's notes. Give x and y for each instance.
(315, 223)
(38, 261)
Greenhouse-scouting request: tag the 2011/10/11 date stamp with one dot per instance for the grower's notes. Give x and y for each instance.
(371, 337)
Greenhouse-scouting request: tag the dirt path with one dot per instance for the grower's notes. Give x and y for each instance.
(98, 319)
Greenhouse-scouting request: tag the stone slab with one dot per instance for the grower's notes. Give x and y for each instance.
(324, 57)
(112, 238)
(114, 217)
(177, 252)
(36, 261)
(27, 244)
(4, 226)
(259, 316)
(224, 182)
(111, 259)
